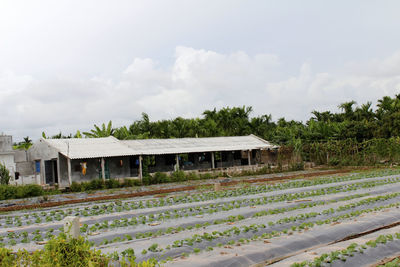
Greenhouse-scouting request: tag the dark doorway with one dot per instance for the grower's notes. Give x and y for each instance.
(50, 170)
(134, 165)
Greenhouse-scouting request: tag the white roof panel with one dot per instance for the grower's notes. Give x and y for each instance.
(191, 145)
(82, 148)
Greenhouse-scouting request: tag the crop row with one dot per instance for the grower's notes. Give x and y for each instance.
(191, 211)
(327, 259)
(124, 222)
(119, 206)
(38, 235)
(246, 233)
(244, 229)
(292, 219)
(214, 208)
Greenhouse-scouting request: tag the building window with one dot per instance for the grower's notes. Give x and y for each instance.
(37, 166)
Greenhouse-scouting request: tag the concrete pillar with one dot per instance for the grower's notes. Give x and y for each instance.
(69, 171)
(103, 171)
(176, 162)
(212, 160)
(249, 156)
(71, 226)
(58, 169)
(140, 174)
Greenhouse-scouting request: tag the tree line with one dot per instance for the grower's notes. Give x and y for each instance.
(358, 122)
(326, 137)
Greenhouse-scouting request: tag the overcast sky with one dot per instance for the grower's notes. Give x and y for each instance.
(66, 65)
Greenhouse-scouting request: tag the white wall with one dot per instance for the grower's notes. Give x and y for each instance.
(8, 161)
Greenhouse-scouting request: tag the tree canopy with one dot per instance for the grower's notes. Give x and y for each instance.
(352, 121)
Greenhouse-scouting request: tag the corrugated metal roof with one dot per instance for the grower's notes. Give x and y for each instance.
(83, 148)
(191, 145)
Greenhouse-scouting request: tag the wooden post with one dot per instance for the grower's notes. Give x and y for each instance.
(103, 171)
(249, 157)
(140, 168)
(69, 171)
(177, 162)
(58, 169)
(212, 160)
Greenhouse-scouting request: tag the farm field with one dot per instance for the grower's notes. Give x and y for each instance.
(350, 219)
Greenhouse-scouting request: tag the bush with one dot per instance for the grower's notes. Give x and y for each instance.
(205, 176)
(297, 166)
(20, 191)
(59, 251)
(160, 177)
(7, 192)
(146, 180)
(131, 182)
(4, 174)
(96, 184)
(75, 187)
(178, 176)
(333, 162)
(112, 183)
(33, 190)
(192, 176)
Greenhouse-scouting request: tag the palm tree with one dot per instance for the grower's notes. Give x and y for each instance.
(26, 144)
(100, 132)
(347, 107)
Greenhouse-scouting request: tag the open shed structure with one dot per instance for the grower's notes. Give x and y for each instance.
(64, 161)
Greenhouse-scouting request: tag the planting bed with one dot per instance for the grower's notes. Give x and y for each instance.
(298, 222)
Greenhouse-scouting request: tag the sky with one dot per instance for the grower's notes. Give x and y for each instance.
(66, 65)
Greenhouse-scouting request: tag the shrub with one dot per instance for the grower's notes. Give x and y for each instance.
(33, 190)
(7, 192)
(57, 252)
(160, 177)
(20, 191)
(76, 187)
(130, 182)
(96, 184)
(333, 162)
(178, 176)
(4, 174)
(192, 176)
(146, 179)
(112, 183)
(206, 176)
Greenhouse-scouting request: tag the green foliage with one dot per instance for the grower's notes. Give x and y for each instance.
(20, 191)
(26, 144)
(160, 177)
(4, 175)
(63, 251)
(112, 183)
(104, 131)
(178, 176)
(76, 187)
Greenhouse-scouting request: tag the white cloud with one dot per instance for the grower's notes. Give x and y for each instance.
(195, 81)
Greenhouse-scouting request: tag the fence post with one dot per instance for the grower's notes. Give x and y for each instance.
(71, 226)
